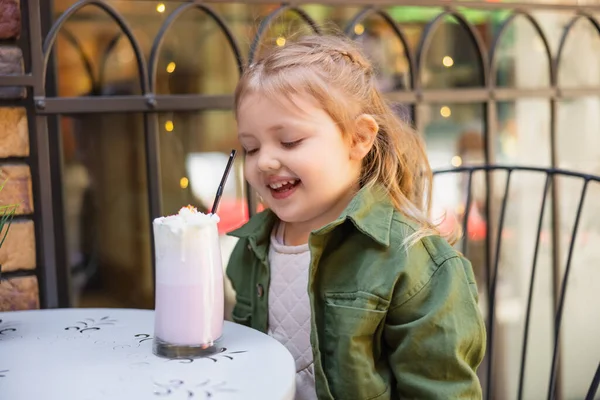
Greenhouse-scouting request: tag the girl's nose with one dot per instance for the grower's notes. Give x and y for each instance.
(268, 162)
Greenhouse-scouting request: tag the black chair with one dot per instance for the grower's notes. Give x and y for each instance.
(497, 198)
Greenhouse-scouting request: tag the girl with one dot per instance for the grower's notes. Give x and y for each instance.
(344, 267)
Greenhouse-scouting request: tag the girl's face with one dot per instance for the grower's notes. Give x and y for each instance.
(297, 159)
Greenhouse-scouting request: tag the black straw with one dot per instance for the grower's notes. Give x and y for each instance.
(223, 181)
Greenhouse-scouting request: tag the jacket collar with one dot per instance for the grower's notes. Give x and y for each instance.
(370, 211)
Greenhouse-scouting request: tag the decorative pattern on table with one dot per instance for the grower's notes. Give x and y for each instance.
(8, 331)
(6, 327)
(91, 324)
(205, 388)
(222, 352)
(145, 359)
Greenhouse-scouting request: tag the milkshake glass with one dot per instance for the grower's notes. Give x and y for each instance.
(189, 298)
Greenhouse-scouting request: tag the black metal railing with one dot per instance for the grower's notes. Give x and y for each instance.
(551, 176)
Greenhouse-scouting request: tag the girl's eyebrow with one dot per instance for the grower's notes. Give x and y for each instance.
(274, 128)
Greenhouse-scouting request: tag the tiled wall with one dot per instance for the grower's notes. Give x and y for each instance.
(18, 289)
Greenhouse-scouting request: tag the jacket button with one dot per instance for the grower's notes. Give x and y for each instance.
(249, 247)
(260, 291)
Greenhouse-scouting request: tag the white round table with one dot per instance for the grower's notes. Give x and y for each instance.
(89, 354)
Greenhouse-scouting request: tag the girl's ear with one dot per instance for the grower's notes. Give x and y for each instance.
(365, 128)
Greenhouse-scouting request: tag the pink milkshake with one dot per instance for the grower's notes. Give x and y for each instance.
(189, 284)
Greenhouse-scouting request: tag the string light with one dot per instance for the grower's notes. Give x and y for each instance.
(456, 161)
(169, 126)
(184, 182)
(359, 29)
(171, 67)
(447, 61)
(161, 7)
(445, 111)
(280, 41)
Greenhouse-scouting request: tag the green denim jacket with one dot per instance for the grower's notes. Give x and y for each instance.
(387, 322)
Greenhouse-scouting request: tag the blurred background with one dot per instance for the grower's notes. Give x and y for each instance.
(438, 84)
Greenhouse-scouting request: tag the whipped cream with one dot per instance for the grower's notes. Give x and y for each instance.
(185, 244)
(187, 216)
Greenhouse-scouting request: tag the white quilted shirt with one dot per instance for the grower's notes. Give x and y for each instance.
(289, 308)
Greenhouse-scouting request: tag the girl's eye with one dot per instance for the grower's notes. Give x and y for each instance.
(250, 152)
(289, 145)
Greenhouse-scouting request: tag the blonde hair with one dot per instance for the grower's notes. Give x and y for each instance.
(336, 73)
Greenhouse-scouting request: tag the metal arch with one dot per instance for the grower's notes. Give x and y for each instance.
(158, 40)
(111, 45)
(87, 63)
(362, 15)
(267, 22)
(499, 36)
(428, 34)
(52, 34)
(492, 83)
(565, 36)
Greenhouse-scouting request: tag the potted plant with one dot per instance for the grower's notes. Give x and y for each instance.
(7, 213)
